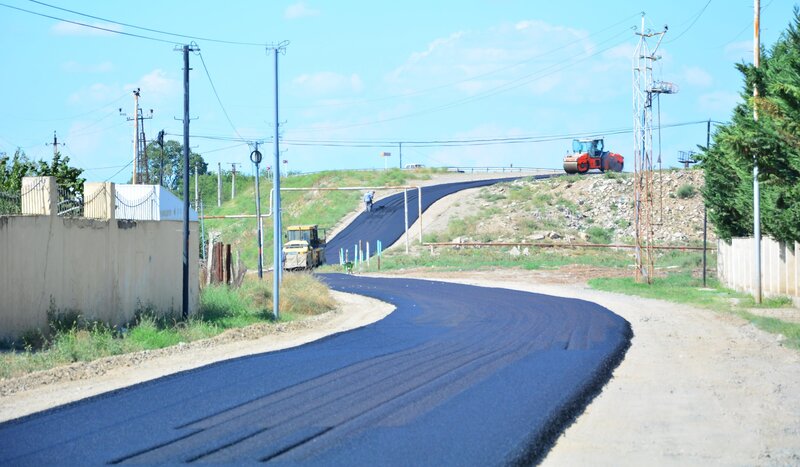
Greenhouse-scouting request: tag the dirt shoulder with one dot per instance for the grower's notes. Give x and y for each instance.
(45, 389)
(696, 387)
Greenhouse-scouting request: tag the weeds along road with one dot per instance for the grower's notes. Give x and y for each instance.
(386, 222)
(457, 375)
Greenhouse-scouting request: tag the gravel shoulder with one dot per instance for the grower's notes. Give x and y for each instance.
(696, 387)
(46, 389)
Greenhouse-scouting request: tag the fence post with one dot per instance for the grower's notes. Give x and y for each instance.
(39, 196)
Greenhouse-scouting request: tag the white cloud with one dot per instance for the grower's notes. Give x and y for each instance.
(327, 82)
(156, 84)
(70, 29)
(75, 67)
(300, 10)
(739, 50)
(512, 59)
(696, 76)
(719, 101)
(97, 92)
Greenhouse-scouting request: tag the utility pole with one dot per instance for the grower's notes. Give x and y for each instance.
(219, 184)
(196, 187)
(400, 148)
(55, 144)
(233, 179)
(135, 136)
(185, 303)
(277, 251)
(160, 141)
(644, 90)
(255, 156)
(705, 210)
(756, 189)
(140, 170)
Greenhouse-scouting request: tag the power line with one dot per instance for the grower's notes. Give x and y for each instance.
(88, 25)
(511, 85)
(157, 31)
(697, 17)
(481, 75)
(214, 88)
(76, 116)
(471, 142)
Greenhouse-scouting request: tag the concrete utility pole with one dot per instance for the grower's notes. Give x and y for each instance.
(219, 184)
(185, 304)
(135, 136)
(756, 190)
(141, 173)
(55, 144)
(196, 187)
(233, 179)
(400, 149)
(277, 249)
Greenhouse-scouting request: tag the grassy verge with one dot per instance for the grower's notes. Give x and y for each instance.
(221, 308)
(451, 259)
(324, 208)
(683, 288)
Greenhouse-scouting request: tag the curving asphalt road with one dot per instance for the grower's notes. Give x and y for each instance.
(386, 222)
(457, 375)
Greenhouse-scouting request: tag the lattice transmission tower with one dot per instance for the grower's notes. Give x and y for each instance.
(644, 89)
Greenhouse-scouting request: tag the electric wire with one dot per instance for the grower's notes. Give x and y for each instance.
(696, 18)
(471, 78)
(75, 116)
(511, 85)
(216, 94)
(472, 142)
(78, 23)
(157, 31)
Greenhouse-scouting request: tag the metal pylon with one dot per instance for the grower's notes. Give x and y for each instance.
(644, 88)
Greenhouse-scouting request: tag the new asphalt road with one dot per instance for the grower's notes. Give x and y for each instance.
(457, 375)
(386, 222)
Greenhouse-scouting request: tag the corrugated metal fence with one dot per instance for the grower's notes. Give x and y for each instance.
(780, 268)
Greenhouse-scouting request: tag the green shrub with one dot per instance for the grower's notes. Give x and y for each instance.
(685, 191)
(599, 235)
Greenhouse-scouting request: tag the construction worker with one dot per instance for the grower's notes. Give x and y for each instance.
(368, 200)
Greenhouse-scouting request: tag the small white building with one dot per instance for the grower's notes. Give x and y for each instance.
(149, 203)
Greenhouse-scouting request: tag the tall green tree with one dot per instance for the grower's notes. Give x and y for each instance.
(773, 141)
(171, 162)
(13, 169)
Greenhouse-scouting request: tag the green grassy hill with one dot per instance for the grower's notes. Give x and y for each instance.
(325, 208)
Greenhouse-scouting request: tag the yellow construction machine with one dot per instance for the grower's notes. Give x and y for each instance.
(304, 249)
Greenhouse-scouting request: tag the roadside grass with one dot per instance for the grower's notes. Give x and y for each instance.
(324, 208)
(682, 287)
(469, 258)
(452, 259)
(221, 308)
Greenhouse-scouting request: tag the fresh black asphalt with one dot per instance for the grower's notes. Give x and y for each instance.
(386, 222)
(457, 375)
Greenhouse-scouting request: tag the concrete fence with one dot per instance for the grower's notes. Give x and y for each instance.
(104, 268)
(780, 268)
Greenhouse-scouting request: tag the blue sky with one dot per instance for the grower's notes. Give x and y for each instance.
(366, 75)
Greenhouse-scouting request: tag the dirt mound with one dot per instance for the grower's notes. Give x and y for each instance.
(593, 208)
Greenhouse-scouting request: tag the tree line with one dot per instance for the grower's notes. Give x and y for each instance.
(773, 141)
